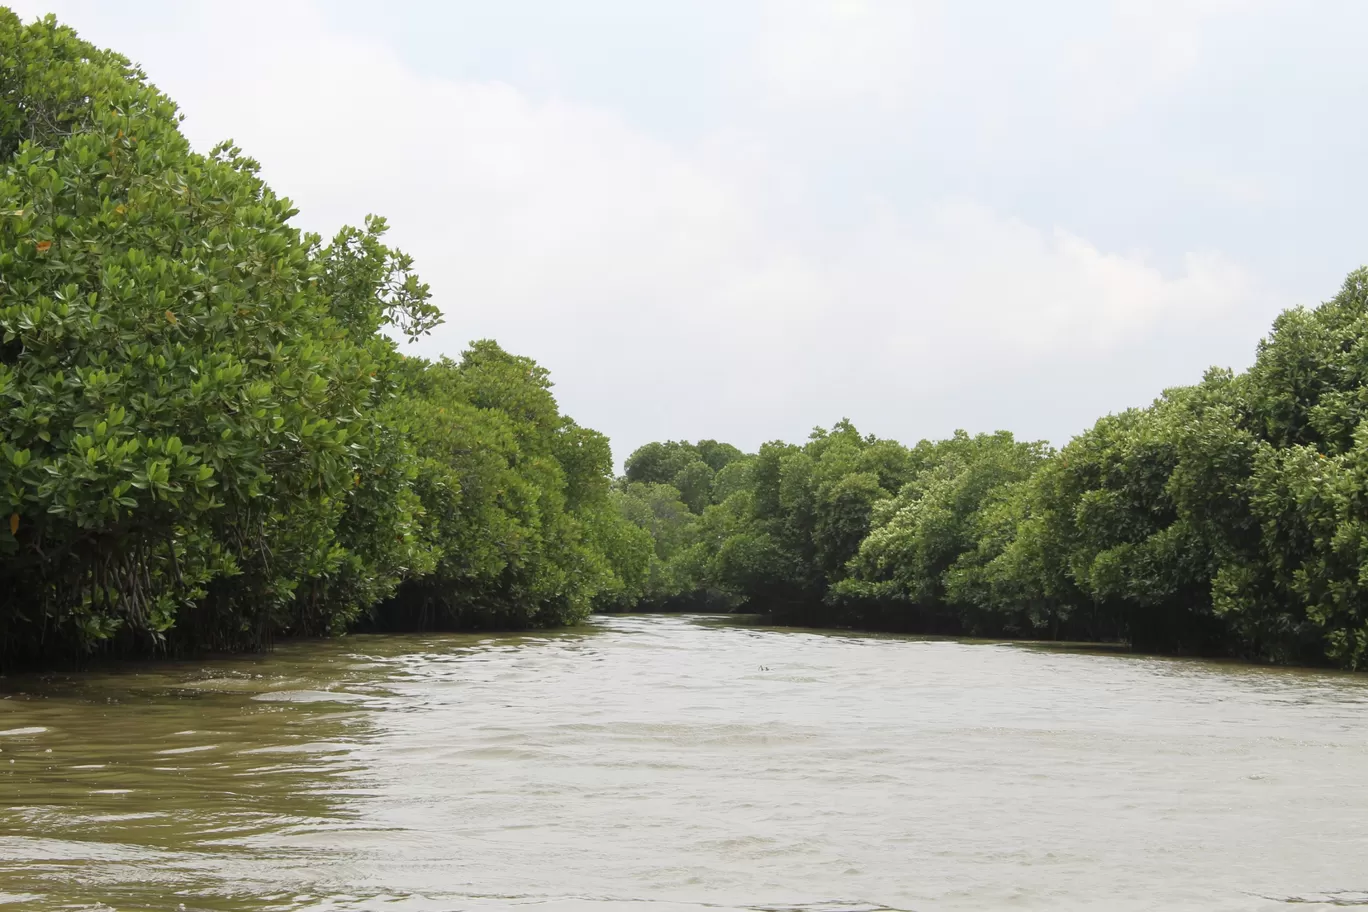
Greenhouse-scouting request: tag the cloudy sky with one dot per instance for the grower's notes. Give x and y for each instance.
(740, 219)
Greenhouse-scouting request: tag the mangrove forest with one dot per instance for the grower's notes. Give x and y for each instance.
(211, 438)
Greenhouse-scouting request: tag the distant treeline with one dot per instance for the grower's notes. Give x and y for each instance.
(1228, 518)
(207, 436)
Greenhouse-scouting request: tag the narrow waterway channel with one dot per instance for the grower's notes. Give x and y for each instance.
(679, 763)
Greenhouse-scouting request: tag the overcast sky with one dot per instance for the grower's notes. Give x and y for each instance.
(731, 219)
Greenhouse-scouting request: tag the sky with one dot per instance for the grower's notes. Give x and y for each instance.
(741, 219)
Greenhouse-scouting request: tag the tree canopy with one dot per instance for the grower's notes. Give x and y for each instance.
(207, 434)
(1228, 518)
(209, 437)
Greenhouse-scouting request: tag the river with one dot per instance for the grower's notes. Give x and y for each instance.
(683, 764)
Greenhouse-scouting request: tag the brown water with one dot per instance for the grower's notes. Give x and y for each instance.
(675, 764)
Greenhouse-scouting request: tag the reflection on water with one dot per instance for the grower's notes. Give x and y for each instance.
(683, 764)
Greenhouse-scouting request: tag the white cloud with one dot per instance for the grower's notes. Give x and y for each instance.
(1084, 65)
(1146, 50)
(1029, 291)
(839, 51)
(668, 288)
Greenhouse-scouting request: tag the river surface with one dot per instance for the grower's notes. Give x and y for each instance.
(683, 764)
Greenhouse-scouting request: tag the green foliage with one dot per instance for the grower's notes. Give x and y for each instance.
(516, 512)
(207, 437)
(777, 528)
(659, 515)
(1229, 517)
(690, 468)
(928, 545)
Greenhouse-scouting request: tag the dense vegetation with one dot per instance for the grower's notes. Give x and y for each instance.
(1230, 517)
(208, 438)
(207, 435)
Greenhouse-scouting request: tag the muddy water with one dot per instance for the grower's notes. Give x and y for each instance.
(674, 764)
